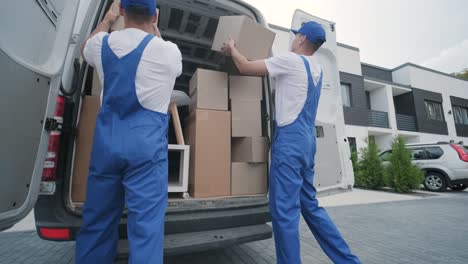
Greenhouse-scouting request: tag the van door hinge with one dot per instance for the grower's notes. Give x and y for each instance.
(52, 124)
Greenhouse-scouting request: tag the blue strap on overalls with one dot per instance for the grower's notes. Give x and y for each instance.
(291, 189)
(128, 166)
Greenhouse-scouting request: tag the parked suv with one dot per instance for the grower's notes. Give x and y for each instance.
(444, 164)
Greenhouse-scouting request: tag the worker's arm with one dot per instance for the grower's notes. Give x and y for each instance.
(245, 67)
(104, 26)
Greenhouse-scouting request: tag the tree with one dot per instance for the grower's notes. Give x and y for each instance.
(463, 74)
(358, 180)
(401, 174)
(370, 169)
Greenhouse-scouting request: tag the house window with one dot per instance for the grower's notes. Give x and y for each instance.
(434, 110)
(346, 94)
(352, 144)
(461, 115)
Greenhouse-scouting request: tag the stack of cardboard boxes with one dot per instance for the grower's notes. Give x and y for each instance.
(228, 155)
(208, 131)
(218, 168)
(249, 148)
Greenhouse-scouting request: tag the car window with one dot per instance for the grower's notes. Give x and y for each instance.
(386, 155)
(426, 153)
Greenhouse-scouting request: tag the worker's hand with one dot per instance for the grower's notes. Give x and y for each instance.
(111, 16)
(228, 47)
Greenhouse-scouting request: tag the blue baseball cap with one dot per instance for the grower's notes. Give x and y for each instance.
(313, 31)
(148, 4)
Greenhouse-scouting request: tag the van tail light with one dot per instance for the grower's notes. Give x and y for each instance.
(49, 172)
(461, 152)
(55, 233)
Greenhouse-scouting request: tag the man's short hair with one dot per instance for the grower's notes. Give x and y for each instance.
(316, 45)
(138, 14)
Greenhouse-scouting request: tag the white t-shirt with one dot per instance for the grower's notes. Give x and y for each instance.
(160, 65)
(290, 76)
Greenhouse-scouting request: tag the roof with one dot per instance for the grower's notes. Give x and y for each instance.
(347, 46)
(409, 64)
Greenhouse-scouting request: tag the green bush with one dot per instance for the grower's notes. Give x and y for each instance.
(358, 180)
(401, 175)
(370, 169)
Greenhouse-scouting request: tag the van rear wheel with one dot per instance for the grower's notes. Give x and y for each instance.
(435, 182)
(459, 187)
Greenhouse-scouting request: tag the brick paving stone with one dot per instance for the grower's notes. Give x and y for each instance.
(429, 230)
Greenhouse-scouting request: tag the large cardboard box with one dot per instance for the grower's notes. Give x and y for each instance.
(209, 136)
(84, 143)
(245, 88)
(249, 178)
(253, 40)
(96, 87)
(209, 90)
(249, 149)
(246, 118)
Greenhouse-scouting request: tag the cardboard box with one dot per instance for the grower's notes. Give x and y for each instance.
(253, 40)
(209, 90)
(246, 118)
(245, 88)
(209, 136)
(83, 146)
(96, 87)
(249, 178)
(249, 149)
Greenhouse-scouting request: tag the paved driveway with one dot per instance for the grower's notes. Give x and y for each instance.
(427, 229)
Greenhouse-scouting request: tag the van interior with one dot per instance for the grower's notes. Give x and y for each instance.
(191, 24)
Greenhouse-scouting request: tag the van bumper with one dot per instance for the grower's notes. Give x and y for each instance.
(179, 226)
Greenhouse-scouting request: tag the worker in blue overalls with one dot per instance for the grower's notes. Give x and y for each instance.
(129, 163)
(298, 78)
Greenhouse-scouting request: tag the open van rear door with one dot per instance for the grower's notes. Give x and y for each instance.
(35, 38)
(333, 165)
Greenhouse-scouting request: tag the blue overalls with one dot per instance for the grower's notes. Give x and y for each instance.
(128, 166)
(292, 191)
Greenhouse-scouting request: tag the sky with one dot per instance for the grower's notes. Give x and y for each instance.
(431, 33)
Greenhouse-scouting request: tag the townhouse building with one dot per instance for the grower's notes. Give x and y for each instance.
(417, 103)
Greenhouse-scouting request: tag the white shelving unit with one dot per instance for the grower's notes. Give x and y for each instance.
(182, 185)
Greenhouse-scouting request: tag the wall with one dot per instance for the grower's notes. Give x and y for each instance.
(424, 124)
(384, 142)
(434, 81)
(379, 99)
(402, 76)
(461, 129)
(358, 132)
(404, 104)
(357, 113)
(376, 72)
(349, 60)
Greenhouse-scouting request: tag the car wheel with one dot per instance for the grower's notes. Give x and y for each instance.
(459, 187)
(435, 182)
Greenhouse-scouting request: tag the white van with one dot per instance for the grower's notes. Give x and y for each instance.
(44, 78)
